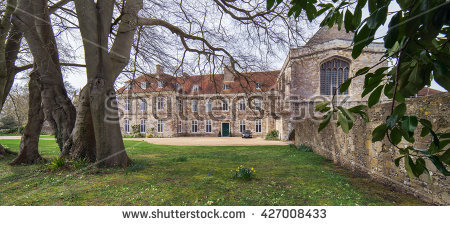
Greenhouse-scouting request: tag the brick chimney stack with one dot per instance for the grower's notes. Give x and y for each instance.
(228, 75)
(159, 69)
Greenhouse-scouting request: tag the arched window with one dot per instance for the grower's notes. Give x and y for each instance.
(332, 74)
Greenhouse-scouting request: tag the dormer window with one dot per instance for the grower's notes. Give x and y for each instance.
(195, 88)
(258, 85)
(177, 86)
(160, 84)
(143, 85)
(226, 86)
(128, 86)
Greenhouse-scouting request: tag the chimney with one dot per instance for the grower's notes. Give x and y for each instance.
(228, 75)
(159, 69)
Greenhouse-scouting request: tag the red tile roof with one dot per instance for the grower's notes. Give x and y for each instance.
(208, 84)
(427, 91)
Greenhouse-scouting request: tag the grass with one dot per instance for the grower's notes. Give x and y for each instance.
(184, 175)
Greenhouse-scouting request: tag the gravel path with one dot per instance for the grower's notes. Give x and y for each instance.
(194, 141)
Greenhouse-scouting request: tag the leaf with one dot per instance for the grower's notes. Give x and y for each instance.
(361, 40)
(391, 121)
(408, 163)
(428, 128)
(409, 123)
(397, 161)
(379, 133)
(345, 85)
(445, 157)
(400, 110)
(437, 162)
(325, 121)
(362, 71)
(393, 31)
(348, 21)
(344, 122)
(357, 108)
(346, 113)
(322, 106)
(375, 96)
(270, 4)
(396, 136)
(441, 76)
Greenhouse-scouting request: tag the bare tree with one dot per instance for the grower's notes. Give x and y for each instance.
(33, 19)
(199, 30)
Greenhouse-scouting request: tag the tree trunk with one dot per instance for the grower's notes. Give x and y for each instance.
(32, 18)
(105, 118)
(28, 149)
(81, 143)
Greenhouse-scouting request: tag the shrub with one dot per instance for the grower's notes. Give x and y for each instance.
(57, 163)
(180, 159)
(220, 134)
(244, 173)
(135, 129)
(272, 135)
(150, 135)
(304, 148)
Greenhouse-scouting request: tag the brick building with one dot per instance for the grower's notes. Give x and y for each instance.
(226, 104)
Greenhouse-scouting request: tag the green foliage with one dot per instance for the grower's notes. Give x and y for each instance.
(136, 129)
(417, 40)
(244, 173)
(57, 163)
(272, 135)
(80, 163)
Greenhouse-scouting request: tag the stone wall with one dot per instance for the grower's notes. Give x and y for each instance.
(355, 150)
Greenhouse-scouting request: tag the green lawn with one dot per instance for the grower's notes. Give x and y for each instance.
(159, 176)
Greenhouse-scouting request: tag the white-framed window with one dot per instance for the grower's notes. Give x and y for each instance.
(242, 104)
(194, 125)
(142, 128)
(160, 84)
(195, 88)
(224, 105)
(179, 105)
(258, 124)
(180, 126)
(143, 85)
(226, 86)
(258, 103)
(208, 105)
(127, 126)
(258, 85)
(194, 105)
(160, 126)
(241, 126)
(128, 104)
(143, 105)
(160, 103)
(208, 126)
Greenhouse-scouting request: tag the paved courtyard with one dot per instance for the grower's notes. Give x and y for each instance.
(195, 141)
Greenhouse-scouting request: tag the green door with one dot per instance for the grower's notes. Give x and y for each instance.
(225, 129)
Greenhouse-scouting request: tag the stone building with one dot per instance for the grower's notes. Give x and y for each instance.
(226, 104)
